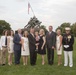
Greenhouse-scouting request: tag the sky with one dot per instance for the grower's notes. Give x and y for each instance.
(49, 12)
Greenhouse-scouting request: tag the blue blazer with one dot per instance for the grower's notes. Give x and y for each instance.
(16, 40)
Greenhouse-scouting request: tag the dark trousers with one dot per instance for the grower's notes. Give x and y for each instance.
(17, 55)
(50, 55)
(33, 57)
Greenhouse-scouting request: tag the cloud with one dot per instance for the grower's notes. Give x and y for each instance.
(56, 12)
(22, 11)
(50, 12)
(20, 0)
(2, 9)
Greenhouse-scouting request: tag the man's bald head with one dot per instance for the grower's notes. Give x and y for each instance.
(19, 31)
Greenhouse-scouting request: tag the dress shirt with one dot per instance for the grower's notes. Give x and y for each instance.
(20, 35)
(32, 34)
(3, 40)
(50, 32)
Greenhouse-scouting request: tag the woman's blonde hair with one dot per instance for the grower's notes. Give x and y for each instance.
(58, 30)
(42, 32)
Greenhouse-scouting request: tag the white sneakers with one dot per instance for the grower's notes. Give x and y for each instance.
(69, 65)
(65, 65)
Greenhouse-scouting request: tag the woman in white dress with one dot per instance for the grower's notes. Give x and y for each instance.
(59, 46)
(25, 48)
(10, 46)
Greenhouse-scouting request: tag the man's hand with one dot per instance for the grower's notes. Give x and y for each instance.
(59, 49)
(42, 48)
(23, 50)
(37, 44)
(20, 42)
(53, 47)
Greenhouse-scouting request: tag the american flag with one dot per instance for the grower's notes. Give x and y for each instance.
(28, 7)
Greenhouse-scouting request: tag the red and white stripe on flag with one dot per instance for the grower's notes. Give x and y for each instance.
(28, 7)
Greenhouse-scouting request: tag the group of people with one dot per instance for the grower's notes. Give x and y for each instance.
(36, 42)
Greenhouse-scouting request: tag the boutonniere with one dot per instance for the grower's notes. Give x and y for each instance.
(69, 37)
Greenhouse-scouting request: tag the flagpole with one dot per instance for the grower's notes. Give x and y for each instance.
(32, 11)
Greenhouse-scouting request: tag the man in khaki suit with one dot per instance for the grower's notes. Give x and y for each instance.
(3, 48)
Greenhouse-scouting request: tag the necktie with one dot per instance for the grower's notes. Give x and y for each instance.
(6, 41)
(49, 33)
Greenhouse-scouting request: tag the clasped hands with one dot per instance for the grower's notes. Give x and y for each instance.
(66, 46)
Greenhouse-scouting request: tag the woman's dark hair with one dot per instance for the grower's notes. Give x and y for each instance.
(5, 31)
(16, 32)
(9, 32)
(24, 32)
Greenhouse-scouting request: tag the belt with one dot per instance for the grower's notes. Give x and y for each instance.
(4, 46)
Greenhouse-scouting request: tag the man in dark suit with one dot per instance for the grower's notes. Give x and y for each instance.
(50, 42)
(17, 46)
(32, 46)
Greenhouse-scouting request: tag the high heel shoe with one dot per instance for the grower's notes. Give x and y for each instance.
(25, 64)
(43, 63)
(9, 64)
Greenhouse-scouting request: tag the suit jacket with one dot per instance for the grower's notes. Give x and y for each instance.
(51, 39)
(16, 40)
(69, 42)
(32, 42)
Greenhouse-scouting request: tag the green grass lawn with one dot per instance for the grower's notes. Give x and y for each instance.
(40, 69)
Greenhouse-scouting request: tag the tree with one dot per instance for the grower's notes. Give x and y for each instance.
(73, 27)
(63, 26)
(4, 25)
(43, 27)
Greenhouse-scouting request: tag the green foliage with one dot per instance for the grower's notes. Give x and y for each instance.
(73, 27)
(4, 25)
(62, 27)
(43, 27)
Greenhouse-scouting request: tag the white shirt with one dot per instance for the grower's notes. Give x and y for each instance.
(3, 41)
(50, 32)
(20, 35)
(32, 34)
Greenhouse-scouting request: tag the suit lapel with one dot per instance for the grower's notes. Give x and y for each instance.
(51, 33)
(19, 37)
(32, 36)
